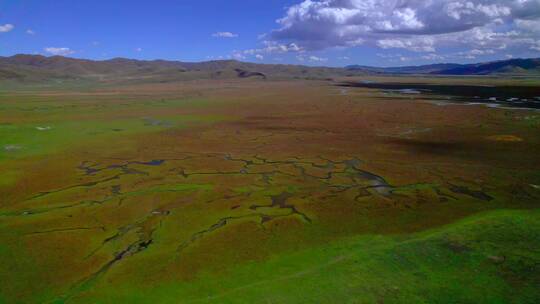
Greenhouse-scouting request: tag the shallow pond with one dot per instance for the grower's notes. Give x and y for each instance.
(503, 96)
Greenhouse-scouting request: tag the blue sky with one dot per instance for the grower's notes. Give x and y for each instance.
(313, 32)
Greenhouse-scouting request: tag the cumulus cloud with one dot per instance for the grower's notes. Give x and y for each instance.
(414, 25)
(30, 32)
(6, 28)
(433, 57)
(59, 51)
(317, 59)
(528, 25)
(274, 47)
(417, 44)
(268, 47)
(311, 58)
(224, 35)
(259, 56)
(238, 55)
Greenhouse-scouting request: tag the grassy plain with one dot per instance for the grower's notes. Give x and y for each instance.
(246, 191)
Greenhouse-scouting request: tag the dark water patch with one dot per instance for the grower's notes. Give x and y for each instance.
(378, 183)
(410, 91)
(131, 250)
(221, 223)
(353, 163)
(472, 193)
(116, 189)
(155, 162)
(89, 168)
(140, 226)
(127, 170)
(280, 201)
(506, 96)
(144, 241)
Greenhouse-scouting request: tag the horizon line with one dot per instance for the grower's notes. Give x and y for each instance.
(262, 63)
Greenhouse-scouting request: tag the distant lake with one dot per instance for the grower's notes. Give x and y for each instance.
(503, 96)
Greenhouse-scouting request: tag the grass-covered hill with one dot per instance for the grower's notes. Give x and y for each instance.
(36, 68)
(503, 67)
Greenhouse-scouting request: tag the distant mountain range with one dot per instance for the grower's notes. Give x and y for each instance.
(57, 69)
(506, 67)
(36, 68)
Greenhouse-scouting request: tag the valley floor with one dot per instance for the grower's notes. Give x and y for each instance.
(249, 191)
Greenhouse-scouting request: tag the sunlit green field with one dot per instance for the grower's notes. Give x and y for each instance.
(265, 192)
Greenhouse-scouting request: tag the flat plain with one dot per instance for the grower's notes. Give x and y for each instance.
(253, 191)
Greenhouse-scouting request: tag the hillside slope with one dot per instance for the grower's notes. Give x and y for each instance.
(505, 67)
(36, 68)
(513, 66)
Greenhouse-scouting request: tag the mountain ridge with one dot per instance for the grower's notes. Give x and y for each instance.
(509, 66)
(39, 69)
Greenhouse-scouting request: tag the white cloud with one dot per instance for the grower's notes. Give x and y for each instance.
(138, 50)
(433, 57)
(215, 57)
(6, 28)
(416, 44)
(59, 51)
(404, 59)
(414, 25)
(528, 25)
(238, 55)
(447, 57)
(477, 52)
(317, 59)
(311, 58)
(224, 35)
(274, 47)
(259, 56)
(269, 47)
(30, 32)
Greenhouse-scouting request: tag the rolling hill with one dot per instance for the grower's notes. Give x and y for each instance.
(512, 66)
(32, 69)
(506, 67)
(36, 68)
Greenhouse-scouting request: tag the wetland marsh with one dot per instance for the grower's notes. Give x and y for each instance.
(253, 191)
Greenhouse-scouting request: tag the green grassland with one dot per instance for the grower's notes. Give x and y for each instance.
(488, 258)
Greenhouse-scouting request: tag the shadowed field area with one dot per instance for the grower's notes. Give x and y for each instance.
(251, 191)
